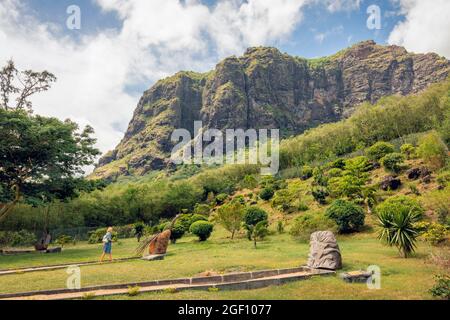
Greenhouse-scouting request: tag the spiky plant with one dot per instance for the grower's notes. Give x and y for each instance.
(397, 230)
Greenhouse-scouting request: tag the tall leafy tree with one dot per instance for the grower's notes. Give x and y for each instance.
(41, 158)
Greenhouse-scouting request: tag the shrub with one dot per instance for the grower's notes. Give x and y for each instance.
(334, 172)
(306, 173)
(346, 186)
(133, 291)
(283, 201)
(258, 232)
(433, 150)
(240, 198)
(280, 227)
(138, 229)
(230, 216)
(320, 195)
(17, 238)
(433, 232)
(397, 217)
(202, 229)
(177, 232)
(408, 150)
(253, 215)
(308, 223)
(197, 217)
(249, 182)
(348, 216)
(441, 288)
(185, 220)
(393, 162)
(302, 207)
(320, 178)
(221, 198)
(379, 150)
(337, 164)
(62, 240)
(266, 193)
(202, 208)
(96, 236)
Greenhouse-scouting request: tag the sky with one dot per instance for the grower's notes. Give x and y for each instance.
(124, 46)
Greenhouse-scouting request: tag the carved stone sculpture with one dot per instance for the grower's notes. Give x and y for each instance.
(324, 251)
(160, 243)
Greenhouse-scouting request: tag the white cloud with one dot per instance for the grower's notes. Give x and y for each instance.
(425, 28)
(157, 38)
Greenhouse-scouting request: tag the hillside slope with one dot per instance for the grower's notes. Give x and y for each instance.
(265, 88)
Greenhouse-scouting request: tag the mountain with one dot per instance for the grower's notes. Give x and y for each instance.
(265, 88)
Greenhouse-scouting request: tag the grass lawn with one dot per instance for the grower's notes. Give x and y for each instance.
(401, 278)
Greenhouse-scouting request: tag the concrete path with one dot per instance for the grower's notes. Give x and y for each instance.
(60, 266)
(233, 281)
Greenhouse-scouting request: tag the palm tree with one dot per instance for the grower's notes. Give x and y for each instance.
(397, 229)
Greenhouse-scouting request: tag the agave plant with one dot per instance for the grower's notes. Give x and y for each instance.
(397, 230)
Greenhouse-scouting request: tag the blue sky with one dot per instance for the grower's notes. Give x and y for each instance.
(125, 46)
(341, 28)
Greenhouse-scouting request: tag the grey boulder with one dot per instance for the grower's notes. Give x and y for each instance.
(324, 251)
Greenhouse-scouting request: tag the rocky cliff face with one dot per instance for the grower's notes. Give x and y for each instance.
(267, 89)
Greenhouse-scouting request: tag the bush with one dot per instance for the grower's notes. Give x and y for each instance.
(266, 193)
(96, 236)
(253, 215)
(201, 208)
(379, 150)
(334, 172)
(348, 216)
(337, 164)
(441, 288)
(17, 238)
(280, 227)
(433, 232)
(202, 229)
(221, 198)
(178, 231)
(138, 230)
(308, 223)
(62, 240)
(408, 150)
(283, 201)
(320, 195)
(306, 173)
(249, 182)
(393, 162)
(433, 150)
(197, 217)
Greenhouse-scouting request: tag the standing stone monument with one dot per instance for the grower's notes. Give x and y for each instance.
(324, 251)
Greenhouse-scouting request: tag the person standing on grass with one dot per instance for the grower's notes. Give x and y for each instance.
(107, 244)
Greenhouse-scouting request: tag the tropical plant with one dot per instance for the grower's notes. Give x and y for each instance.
(397, 217)
(441, 288)
(138, 230)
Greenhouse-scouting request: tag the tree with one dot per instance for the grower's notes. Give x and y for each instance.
(396, 217)
(348, 216)
(41, 157)
(230, 216)
(139, 229)
(21, 85)
(408, 150)
(259, 231)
